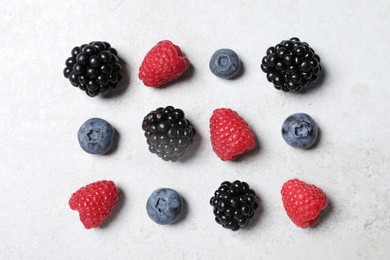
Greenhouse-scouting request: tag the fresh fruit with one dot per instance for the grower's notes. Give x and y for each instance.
(94, 202)
(164, 206)
(291, 65)
(168, 133)
(163, 63)
(300, 130)
(234, 204)
(230, 134)
(303, 202)
(96, 136)
(94, 68)
(225, 63)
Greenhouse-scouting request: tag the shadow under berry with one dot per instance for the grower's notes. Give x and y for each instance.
(317, 141)
(115, 144)
(324, 214)
(189, 73)
(257, 214)
(240, 73)
(184, 212)
(251, 153)
(318, 83)
(191, 150)
(124, 84)
(115, 211)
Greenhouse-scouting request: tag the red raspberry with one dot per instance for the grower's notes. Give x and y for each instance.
(230, 134)
(303, 202)
(94, 202)
(163, 63)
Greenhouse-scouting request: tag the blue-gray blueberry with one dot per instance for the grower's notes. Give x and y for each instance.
(164, 206)
(225, 63)
(300, 130)
(96, 136)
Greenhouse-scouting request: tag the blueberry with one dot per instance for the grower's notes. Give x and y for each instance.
(96, 136)
(300, 130)
(164, 206)
(225, 63)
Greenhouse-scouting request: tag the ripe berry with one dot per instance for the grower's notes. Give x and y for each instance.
(300, 131)
(91, 68)
(96, 136)
(230, 134)
(225, 63)
(94, 202)
(168, 133)
(291, 65)
(303, 202)
(164, 206)
(163, 63)
(234, 204)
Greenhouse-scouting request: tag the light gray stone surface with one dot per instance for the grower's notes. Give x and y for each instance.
(42, 163)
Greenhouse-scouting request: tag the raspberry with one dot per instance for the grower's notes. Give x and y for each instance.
(234, 204)
(230, 134)
(94, 202)
(168, 133)
(291, 65)
(94, 68)
(303, 202)
(163, 63)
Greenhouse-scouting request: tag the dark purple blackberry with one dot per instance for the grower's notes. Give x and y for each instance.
(234, 204)
(168, 133)
(291, 65)
(94, 68)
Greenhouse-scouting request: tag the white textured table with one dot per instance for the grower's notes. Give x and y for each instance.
(42, 163)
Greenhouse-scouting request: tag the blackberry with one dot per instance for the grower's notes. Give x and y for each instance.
(94, 68)
(291, 65)
(234, 204)
(168, 133)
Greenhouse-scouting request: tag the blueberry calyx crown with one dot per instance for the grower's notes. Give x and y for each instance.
(94, 135)
(223, 61)
(161, 205)
(302, 129)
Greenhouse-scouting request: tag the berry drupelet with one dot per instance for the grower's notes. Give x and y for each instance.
(94, 68)
(168, 133)
(234, 204)
(291, 65)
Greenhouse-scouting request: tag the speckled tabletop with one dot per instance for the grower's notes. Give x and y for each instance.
(42, 163)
